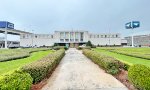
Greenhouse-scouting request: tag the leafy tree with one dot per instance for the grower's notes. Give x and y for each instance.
(89, 44)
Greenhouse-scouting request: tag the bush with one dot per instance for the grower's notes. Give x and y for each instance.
(93, 46)
(139, 75)
(89, 44)
(13, 54)
(65, 47)
(79, 48)
(110, 64)
(16, 81)
(41, 68)
(58, 47)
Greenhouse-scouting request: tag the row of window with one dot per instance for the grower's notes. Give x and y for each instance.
(37, 36)
(104, 36)
(71, 40)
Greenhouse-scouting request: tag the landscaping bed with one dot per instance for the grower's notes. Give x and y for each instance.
(110, 65)
(134, 52)
(13, 54)
(34, 72)
(134, 77)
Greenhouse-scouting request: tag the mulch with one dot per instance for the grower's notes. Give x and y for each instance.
(123, 78)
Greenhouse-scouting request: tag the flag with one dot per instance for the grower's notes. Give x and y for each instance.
(128, 25)
(135, 24)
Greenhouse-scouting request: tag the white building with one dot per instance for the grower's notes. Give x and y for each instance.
(70, 38)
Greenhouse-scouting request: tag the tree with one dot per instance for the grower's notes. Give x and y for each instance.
(89, 44)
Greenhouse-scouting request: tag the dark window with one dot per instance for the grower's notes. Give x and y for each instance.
(105, 36)
(35, 36)
(116, 35)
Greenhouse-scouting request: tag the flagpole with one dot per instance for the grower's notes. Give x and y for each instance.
(132, 38)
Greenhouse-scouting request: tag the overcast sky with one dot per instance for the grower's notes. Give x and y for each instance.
(96, 16)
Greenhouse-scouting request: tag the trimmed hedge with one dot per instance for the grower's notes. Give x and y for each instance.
(13, 54)
(137, 55)
(41, 68)
(110, 64)
(139, 75)
(16, 81)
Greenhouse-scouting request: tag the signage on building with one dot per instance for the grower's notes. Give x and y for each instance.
(5, 24)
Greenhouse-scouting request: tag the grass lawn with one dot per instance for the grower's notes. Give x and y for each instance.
(124, 58)
(15, 64)
(135, 52)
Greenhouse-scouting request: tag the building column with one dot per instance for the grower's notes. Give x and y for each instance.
(69, 36)
(5, 37)
(74, 36)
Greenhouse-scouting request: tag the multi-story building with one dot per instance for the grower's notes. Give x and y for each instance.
(77, 37)
(139, 40)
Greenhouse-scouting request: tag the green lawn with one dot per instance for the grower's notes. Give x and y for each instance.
(15, 64)
(136, 52)
(124, 58)
(11, 54)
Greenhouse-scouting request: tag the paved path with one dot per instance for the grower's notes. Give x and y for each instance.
(76, 72)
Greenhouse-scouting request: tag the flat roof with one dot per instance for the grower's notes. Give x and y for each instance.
(14, 31)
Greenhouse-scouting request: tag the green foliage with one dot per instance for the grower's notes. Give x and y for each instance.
(58, 47)
(13, 54)
(15, 64)
(110, 64)
(16, 81)
(56, 44)
(134, 52)
(129, 60)
(89, 44)
(40, 69)
(65, 47)
(139, 75)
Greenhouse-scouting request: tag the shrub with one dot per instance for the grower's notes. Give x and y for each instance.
(58, 47)
(110, 64)
(79, 48)
(13, 54)
(41, 68)
(89, 44)
(139, 75)
(16, 81)
(65, 47)
(93, 46)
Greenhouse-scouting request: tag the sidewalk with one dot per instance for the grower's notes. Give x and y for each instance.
(76, 72)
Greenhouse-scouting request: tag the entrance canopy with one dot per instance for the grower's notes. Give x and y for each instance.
(13, 31)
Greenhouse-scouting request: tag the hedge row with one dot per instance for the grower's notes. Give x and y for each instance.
(41, 68)
(139, 75)
(17, 80)
(12, 54)
(111, 65)
(138, 55)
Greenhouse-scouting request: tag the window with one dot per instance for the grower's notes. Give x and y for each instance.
(51, 36)
(105, 36)
(101, 36)
(97, 36)
(116, 36)
(35, 36)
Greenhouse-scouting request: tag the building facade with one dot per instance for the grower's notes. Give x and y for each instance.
(78, 37)
(139, 40)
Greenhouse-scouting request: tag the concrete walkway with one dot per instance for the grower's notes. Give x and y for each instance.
(76, 72)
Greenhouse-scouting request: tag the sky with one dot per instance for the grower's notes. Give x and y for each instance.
(95, 16)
